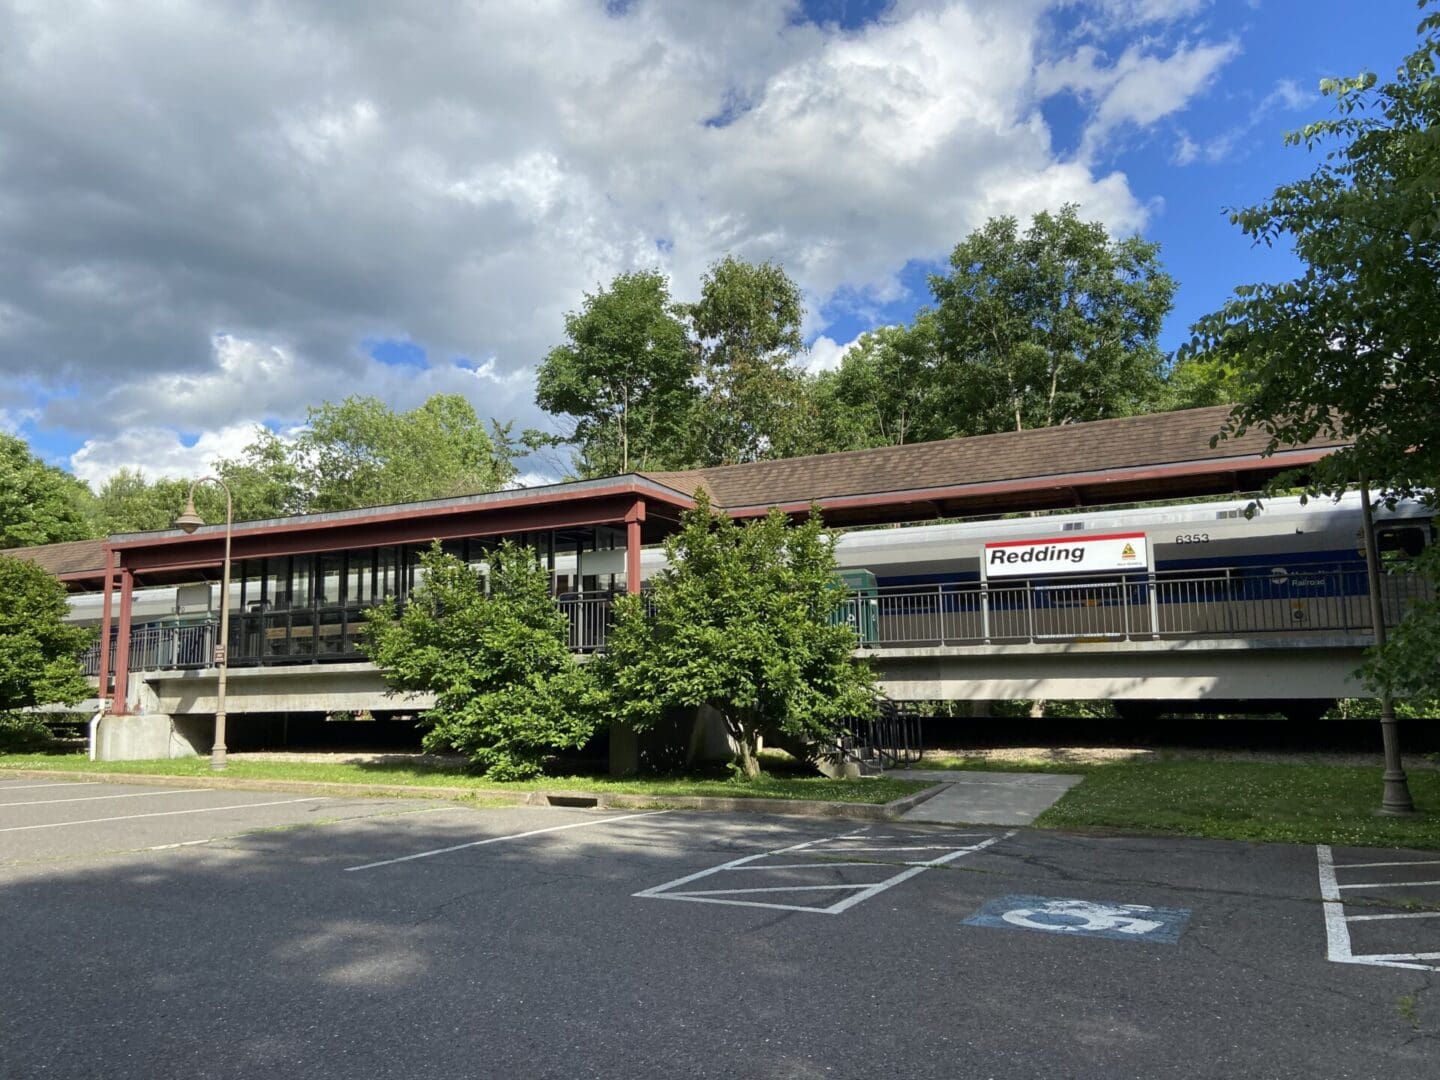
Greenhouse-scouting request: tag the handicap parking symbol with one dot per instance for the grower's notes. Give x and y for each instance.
(1083, 918)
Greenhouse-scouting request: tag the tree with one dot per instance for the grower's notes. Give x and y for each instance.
(747, 326)
(360, 452)
(39, 504)
(886, 391)
(742, 620)
(265, 480)
(624, 377)
(1347, 349)
(507, 691)
(1055, 325)
(39, 651)
(129, 502)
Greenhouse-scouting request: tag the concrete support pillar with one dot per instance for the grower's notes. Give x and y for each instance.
(107, 626)
(119, 704)
(632, 546)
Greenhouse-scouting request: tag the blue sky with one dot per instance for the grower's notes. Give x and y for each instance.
(202, 231)
(1297, 42)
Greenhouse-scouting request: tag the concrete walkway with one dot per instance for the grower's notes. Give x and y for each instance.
(986, 798)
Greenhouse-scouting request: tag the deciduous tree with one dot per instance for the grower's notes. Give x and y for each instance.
(886, 391)
(624, 377)
(1054, 325)
(742, 620)
(507, 691)
(747, 327)
(39, 652)
(39, 504)
(1348, 347)
(360, 452)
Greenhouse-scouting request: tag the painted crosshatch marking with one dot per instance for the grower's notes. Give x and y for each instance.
(1084, 918)
(823, 857)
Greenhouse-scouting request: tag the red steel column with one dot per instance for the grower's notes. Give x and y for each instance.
(632, 546)
(120, 706)
(106, 624)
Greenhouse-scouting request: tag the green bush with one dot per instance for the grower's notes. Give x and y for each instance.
(507, 691)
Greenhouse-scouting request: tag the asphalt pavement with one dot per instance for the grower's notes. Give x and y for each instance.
(154, 933)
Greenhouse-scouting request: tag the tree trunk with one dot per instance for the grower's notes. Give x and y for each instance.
(746, 741)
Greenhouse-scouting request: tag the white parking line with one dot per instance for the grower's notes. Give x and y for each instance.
(99, 798)
(162, 813)
(1387, 884)
(861, 891)
(498, 839)
(63, 783)
(1337, 931)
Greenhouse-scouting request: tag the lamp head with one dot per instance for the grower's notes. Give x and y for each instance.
(189, 520)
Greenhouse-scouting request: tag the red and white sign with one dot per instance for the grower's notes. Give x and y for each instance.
(1066, 555)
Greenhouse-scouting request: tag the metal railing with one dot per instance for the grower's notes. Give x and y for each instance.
(589, 616)
(1213, 604)
(155, 648)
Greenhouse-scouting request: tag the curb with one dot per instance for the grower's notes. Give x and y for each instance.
(600, 800)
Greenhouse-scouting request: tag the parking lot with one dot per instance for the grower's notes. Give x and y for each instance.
(158, 932)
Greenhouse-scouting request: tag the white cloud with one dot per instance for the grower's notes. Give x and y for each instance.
(1136, 90)
(277, 183)
(12, 420)
(258, 382)
(157, 452)
(1133, 12)
(826, 353)
(1287, 96)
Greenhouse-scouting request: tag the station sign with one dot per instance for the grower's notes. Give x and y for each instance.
(1066, 555)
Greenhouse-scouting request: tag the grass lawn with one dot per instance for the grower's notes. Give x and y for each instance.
(1240, 800)
(775, 784)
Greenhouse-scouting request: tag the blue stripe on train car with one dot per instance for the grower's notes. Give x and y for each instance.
(1339, 572)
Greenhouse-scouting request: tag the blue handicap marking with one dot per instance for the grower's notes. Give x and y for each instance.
(1083, 918)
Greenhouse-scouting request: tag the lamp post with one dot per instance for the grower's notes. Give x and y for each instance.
(1395, 798)
(189, 521)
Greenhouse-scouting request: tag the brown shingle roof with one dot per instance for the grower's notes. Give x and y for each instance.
(74, 557)
(1097, 447)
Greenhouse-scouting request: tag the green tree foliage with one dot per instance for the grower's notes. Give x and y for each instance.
(39, 504)
(1054, 325)
(624, 377)
(887, 391)
(360, 452)
(742, 620)
(753, 399)
(39, 652)
(1348, 347)
(507, 691)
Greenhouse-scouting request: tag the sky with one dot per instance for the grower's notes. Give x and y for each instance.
(214, 213)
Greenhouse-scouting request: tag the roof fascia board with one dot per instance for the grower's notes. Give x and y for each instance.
(153, 559)
(491, 502)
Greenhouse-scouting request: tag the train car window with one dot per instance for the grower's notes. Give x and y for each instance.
(1407, 540)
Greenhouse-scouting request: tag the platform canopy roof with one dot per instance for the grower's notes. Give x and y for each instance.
(75, 559)
(1158, 456)
(1155, 457)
